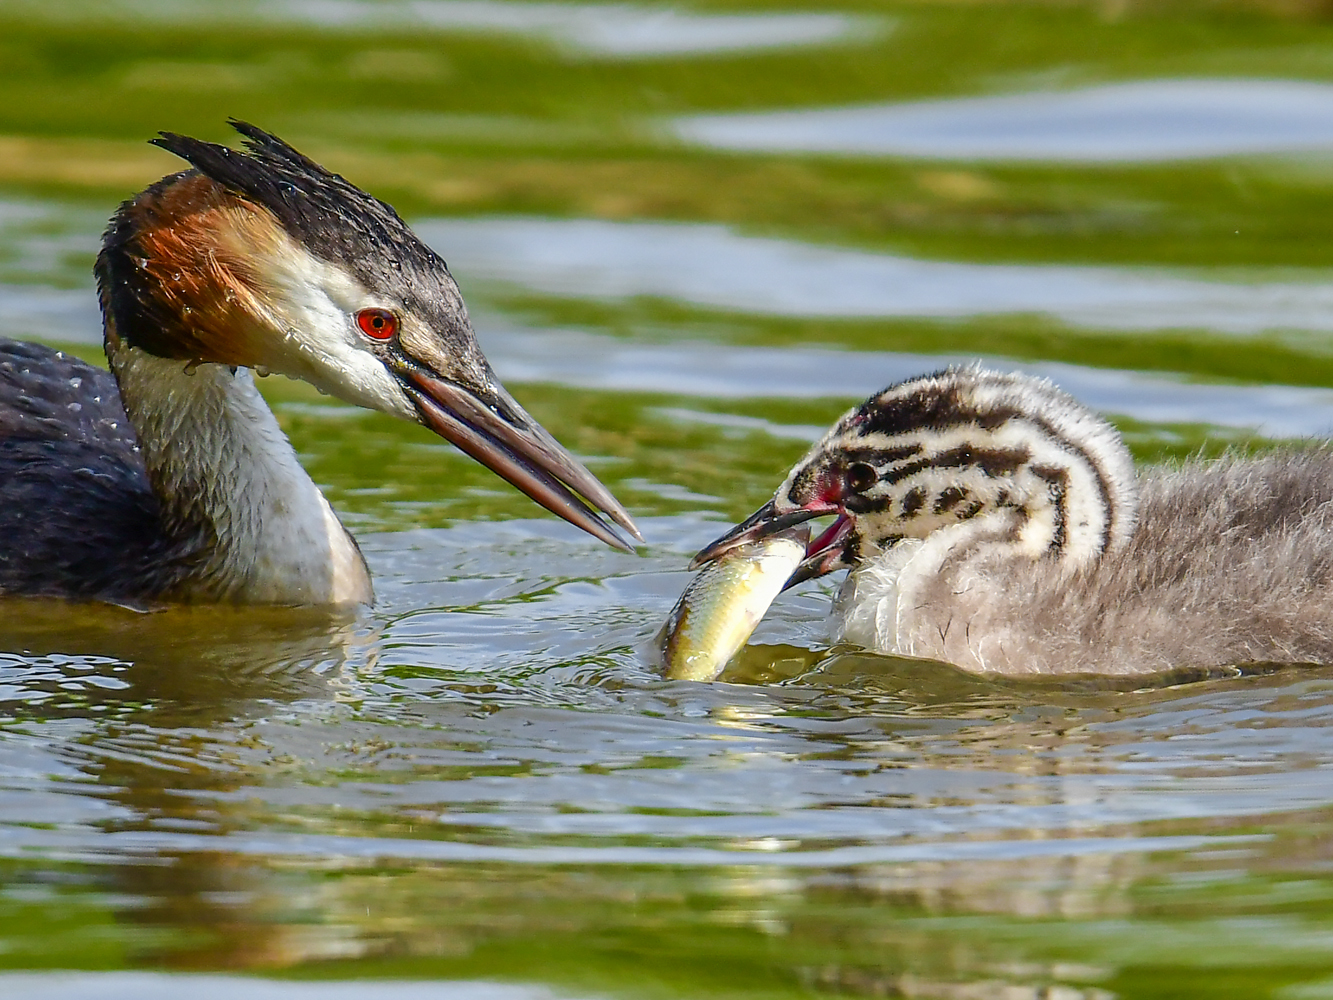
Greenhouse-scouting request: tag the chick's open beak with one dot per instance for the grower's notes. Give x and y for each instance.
(828, 551)
(499, 434)
(824, 554)
(758, 526)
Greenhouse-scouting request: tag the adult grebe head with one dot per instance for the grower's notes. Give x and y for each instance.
(260, 258)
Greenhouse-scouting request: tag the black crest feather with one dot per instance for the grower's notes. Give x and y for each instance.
(329, 215)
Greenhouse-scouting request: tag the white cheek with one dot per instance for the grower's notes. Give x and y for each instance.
(357, 376)
(319, 343)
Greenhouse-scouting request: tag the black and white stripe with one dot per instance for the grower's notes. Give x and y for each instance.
(965, 444)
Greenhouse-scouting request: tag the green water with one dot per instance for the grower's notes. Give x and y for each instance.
(480, 789)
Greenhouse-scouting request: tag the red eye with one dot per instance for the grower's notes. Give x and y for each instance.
(377, 324)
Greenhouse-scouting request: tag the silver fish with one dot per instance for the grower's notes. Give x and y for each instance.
(723, 604)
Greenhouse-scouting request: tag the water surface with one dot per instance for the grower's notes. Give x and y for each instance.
(480, 788)
(1124, 122)
(616, 31)
(714, 267)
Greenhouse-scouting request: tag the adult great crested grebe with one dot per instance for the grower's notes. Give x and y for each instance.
(991, 521)
(168, 479)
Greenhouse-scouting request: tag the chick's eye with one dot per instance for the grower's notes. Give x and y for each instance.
(861, 477)
(377, 324)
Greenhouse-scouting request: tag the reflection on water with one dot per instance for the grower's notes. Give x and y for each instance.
(158, 986)
(703, 369)
(179, 664)
(145, 690)
(502, 782)
(36, 313)
(715, 267)
(46, 243)
(619, 31)
(1144, 121)
(472, 720)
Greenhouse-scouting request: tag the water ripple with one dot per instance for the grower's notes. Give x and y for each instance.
(1142, 121)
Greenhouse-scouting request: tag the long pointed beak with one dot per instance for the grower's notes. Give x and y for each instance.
(500, 435)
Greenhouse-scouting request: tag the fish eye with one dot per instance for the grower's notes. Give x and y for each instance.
(860, 477)
(377, 324)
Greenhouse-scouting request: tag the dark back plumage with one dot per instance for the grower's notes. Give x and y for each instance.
(77, 514)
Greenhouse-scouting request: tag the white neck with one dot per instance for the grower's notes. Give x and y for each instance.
(222, 468)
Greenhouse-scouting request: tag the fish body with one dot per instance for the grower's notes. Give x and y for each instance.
(722, 605)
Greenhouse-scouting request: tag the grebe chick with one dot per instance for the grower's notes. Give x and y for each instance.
(168, 479)
(992, 522)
